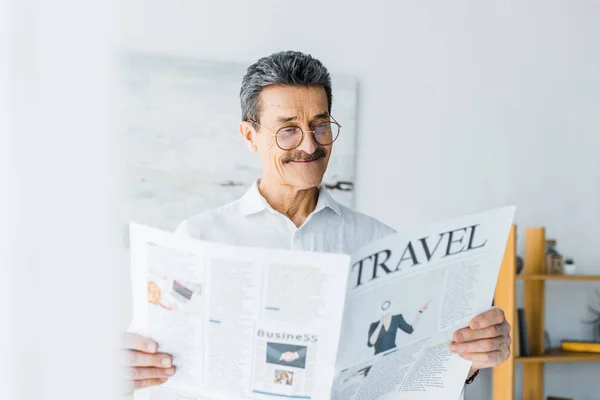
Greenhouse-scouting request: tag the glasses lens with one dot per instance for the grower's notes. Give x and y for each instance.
(289, 138)
(326, 133)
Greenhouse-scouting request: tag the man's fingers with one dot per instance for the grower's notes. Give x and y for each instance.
(482, 358)
(468, 334)
(133, 358)
(481, 346)
(494, 316)
(143, 366)
(489, 359)
(133, 341)
(148, 382)
(145, 373)
(486, 342)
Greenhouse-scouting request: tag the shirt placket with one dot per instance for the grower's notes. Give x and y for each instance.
(298, 240)
(296, 234)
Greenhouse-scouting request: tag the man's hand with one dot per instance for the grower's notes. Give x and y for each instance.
(142, 365)
(486, 342)
(289, 356)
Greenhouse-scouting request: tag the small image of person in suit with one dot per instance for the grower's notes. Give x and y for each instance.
(382, 333)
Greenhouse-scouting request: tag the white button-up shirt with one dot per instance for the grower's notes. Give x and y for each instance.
(251, 221)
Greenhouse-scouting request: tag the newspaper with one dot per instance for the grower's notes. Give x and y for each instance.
(258, 323)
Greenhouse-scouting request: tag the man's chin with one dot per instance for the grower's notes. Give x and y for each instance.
(305, 175)
(305, 182)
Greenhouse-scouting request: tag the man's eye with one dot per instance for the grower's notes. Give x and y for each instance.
(290, 130)
(321, 125)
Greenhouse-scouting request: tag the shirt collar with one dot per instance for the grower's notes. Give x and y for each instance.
(252, 202)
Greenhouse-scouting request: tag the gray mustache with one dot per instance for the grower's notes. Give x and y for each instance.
(302, 156)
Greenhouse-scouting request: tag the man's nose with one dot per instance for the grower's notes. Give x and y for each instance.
(308, 144)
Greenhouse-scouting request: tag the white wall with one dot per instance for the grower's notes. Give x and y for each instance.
(463, 105)
(58, 253)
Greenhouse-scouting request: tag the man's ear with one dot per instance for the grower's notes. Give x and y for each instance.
(247, 131)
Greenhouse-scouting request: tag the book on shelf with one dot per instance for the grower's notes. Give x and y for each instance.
(580, 346)
(523, 338)
(517, 339)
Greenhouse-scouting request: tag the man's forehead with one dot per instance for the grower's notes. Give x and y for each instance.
(287, 102)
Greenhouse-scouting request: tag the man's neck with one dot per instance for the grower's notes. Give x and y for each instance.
(296, 204)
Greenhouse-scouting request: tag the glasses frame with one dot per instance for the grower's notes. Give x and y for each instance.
(332, 121)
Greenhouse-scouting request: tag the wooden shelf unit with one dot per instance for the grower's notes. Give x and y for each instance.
(534, 280)
(559, 277)
(557, 355)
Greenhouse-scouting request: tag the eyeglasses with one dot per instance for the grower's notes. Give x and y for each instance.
(290, 137)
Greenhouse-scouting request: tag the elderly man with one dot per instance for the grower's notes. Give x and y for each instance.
(286, 118)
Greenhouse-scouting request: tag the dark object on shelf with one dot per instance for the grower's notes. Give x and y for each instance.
(523, 338)
(517, 338)
(547, 341)
(520, 265)
(595, 321)
(554, 261)
(558, 398)
(569, 267)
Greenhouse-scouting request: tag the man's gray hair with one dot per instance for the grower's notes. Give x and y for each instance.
(284, 68)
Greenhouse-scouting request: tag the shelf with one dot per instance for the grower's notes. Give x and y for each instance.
(558, 277)
(558, 355)
(533, 281)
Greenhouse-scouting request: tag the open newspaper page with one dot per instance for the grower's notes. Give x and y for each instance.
(407, 295)
(240, 322)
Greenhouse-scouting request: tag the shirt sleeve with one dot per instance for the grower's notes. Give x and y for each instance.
(183, 228)
(382, 230)
(402, 324)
